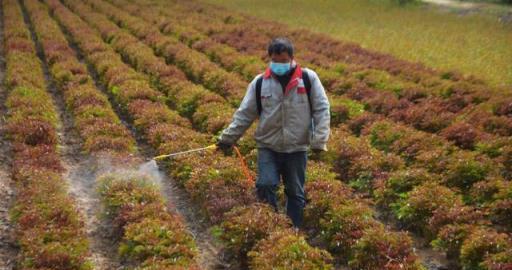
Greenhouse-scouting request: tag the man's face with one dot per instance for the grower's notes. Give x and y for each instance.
(283, 57)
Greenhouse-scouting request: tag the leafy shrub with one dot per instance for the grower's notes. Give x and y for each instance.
(357, 124)
(506, 160)
(344, 224)
(419, 205)
(486, 190)
(399, 183)
(429, 116)
(450, 238)
(32, 132)
(382, 103)
(481, 244)
(501, 212)
(163, 238)
(504, 107)
(378, 249)
(323, 196)
(212, 117)
(383, 134)
(343, 109)
(244, 226)
(457, 215)
(499, 261)
(465, 169)
(286, 250)
(32, 158)
(462, 134)
(499, 125)
(117, 192)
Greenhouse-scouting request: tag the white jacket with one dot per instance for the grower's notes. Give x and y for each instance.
(286, 123)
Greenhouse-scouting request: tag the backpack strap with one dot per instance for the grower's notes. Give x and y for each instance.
(307, 85)
(258, 94)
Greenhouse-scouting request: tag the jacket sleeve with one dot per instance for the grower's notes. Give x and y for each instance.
(321, 113)
(243, 117)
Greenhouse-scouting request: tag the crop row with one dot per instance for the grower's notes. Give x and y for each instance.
(48, 227)
(420, 198)
(207, 110)
(195, 65)
(468, 129)
(98, 124)
(208, 179)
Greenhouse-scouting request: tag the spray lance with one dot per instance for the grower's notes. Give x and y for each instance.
(212, 146)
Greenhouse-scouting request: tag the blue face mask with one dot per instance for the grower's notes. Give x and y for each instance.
(280, 68)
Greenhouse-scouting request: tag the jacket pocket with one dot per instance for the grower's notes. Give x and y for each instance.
(299, 123)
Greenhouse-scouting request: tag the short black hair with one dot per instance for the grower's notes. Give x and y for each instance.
(280, 45)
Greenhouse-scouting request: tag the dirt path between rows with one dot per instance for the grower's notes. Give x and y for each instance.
(8, 248)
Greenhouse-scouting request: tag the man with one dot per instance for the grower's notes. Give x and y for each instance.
(293, 112)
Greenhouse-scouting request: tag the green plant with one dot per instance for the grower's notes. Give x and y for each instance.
(286, 250)
(378, 249)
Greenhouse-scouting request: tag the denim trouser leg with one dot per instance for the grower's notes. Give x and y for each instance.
(294, 174)
(268, 176)
(292, 166)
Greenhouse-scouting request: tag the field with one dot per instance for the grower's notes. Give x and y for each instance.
(476, 44)
(417, 175)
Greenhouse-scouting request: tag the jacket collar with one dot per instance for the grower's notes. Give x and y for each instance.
(294, 80)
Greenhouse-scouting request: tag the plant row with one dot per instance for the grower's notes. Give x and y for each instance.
(207, 110)
(151, 236)
(455, 111)
(196, 65)
(425, 198)
(207, 178)
(49, 229)
(94, 118)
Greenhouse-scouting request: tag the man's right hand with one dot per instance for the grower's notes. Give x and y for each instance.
(226, 148)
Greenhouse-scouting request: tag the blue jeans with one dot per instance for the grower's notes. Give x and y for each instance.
(292, 167)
